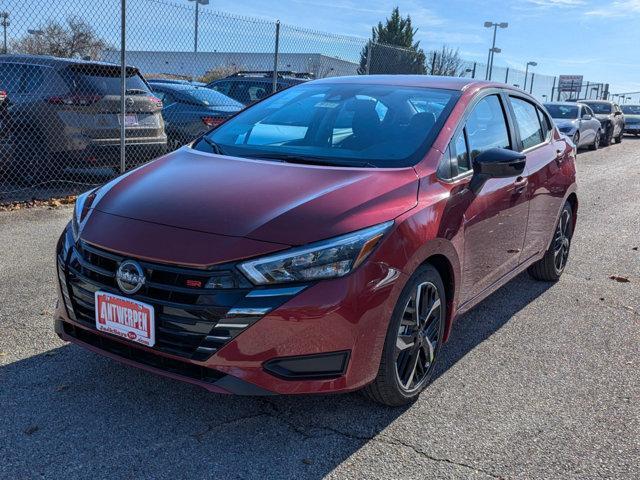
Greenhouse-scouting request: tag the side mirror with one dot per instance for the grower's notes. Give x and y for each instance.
(586, 116)
(617, 114)
(496, 163)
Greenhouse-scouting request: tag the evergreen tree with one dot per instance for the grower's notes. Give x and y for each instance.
(393, 49)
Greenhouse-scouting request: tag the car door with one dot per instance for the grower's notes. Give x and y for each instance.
(618, 120)
(496, 219)
(593, 123)
(587, 133)
(546, 186)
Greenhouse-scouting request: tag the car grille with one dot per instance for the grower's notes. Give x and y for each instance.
(190, 322)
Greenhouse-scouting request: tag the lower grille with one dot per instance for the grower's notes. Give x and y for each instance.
(140, 356)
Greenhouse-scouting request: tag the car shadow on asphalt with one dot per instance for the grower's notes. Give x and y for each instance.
(73, 414)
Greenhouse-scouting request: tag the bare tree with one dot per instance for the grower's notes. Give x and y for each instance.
(74, 39)
(446, 62)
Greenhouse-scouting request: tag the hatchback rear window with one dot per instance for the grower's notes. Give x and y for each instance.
(342, 124)
(103, 80)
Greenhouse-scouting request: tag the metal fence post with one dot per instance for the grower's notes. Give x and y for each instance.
(275, 58)
(433, 62)
(473, 74)
(533, 76)
(123, 82)
(506, 76)
(367, 68)
(553, 88)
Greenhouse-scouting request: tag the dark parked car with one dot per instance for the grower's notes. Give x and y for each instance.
(249, 87)
(322, 240)
(66, 113)
(631, 119)
(578, 122)
(611, 118)
(189, 111)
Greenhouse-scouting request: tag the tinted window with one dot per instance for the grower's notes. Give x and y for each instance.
(210, 98)
(249, 92)
(103, 80)
(562, 111)
(527, 122)
(339, 123)
(11, 78)
(486, 126)
(601, 108)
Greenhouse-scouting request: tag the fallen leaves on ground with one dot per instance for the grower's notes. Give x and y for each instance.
(619, 279)
(51, 203)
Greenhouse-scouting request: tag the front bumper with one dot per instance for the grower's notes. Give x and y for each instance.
(296, 348)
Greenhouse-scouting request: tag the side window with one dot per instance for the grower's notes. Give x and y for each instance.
(527, 122)
(461, 154)
(545, 124)
(486, 126)
(11, 78)
(160, 95)
(588, 110)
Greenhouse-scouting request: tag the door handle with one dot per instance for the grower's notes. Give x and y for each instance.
(520, 184)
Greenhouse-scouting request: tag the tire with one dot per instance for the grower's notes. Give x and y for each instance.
(596, 142)
(605, 141)
(418, 356)
(552, 265)
(618, 139)
(576, 140)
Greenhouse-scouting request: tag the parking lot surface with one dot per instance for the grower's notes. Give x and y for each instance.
(539, 381)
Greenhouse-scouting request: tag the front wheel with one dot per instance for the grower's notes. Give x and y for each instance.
(596, 142)
(413, 341)
(576, 139)
(619, 137)
(551, 266)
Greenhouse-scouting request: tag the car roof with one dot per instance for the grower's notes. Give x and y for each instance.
(595, 101)
(432, 81)
(567, 104)
(50, 61)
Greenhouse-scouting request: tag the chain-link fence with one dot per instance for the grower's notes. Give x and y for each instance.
(71, 117)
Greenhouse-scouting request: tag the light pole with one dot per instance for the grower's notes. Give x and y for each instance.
(5, 24)
(492, 52)
(526, 73)
(195, 35)
(495, 26)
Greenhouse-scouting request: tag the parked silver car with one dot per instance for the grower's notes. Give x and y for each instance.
(578, 122)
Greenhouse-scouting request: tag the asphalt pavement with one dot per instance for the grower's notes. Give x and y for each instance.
(540, 381)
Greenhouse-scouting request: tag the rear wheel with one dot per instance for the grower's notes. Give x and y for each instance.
(413, 341)
(551, 266)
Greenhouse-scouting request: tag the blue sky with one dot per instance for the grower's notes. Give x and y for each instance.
(595, 38)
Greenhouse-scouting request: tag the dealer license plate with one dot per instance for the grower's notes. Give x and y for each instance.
(125, 318)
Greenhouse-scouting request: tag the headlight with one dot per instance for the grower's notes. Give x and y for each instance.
(327, 259)
(83, 203)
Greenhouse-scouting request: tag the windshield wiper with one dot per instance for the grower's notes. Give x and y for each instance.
(309, 160)
(214, 146)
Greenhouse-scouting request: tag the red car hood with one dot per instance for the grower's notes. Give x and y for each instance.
(268, 201)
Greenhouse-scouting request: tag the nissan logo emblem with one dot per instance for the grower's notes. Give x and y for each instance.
(130, 277)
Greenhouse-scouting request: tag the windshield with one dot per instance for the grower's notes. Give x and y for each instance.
(562, 111)
(601, 108)
(631, 109)
(211, 98)
(340, 124)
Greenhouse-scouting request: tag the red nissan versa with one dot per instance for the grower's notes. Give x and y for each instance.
(322, 240)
